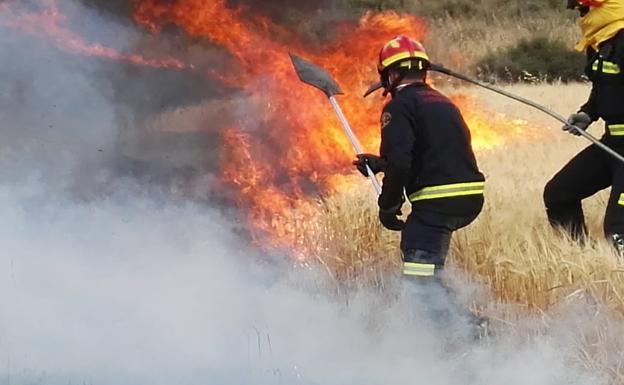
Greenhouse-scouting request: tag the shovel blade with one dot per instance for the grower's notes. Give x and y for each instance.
(315, 76)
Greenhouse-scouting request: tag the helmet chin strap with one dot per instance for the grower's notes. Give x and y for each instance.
(400, 73)
(393, 86)
(397, 85)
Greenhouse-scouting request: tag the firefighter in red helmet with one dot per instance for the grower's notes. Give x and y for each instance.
(602, 25)
(426, 155)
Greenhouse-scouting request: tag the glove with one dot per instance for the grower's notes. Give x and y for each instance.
(375, 163)
(581, 120)
(389, 220)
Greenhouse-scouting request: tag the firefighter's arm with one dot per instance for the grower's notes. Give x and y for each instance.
(618, 50)
(397, 143)
(589, 107)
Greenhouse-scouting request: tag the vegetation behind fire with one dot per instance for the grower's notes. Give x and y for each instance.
(488, 34)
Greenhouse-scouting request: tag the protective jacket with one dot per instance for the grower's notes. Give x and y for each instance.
(426, 144)
(605, 68)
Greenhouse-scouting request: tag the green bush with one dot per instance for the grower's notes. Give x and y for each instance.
(538, 59)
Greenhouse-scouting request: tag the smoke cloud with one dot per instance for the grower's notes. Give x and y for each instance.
(102, 281)
(129, 290)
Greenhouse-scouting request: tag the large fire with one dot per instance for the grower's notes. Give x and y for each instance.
(288, 147)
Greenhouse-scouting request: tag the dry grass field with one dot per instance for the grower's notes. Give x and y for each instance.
(511, 250)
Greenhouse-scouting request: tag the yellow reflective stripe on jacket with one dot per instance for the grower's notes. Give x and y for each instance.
(419, 269)
(448, 191)
(616, 129)
(621, 201)
(607, 67)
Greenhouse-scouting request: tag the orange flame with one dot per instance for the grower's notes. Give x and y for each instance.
(292, 146)
(287, 146)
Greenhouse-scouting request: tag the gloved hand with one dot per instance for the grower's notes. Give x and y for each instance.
(581, 120)
(389, 218)
(375, 163)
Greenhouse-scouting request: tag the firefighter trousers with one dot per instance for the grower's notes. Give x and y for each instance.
(425, 242)
(590, 171)
(428, 228)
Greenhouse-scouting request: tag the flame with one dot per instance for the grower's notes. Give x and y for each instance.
(490, 130)
(287, 147)
(291, 147)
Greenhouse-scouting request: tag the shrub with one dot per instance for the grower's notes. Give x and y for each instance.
(530, 60)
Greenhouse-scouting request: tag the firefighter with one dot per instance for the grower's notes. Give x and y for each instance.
(602, 25)
(426, 155)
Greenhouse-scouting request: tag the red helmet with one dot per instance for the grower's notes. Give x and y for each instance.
(402, 51)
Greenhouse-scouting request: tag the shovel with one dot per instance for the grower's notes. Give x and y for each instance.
(319, 78)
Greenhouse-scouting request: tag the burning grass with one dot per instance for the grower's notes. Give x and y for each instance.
(286, 141)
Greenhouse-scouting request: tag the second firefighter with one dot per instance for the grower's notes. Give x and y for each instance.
(602, 24)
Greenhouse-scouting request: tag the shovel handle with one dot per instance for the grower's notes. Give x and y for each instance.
(354, 141)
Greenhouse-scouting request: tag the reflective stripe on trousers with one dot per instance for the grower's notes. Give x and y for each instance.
(607, 67)
(616, 129)
(621, 201)
(448, 190)
(419, 269)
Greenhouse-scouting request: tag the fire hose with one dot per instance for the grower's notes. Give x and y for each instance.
(585, 134)
(560, 118)
(317, 77)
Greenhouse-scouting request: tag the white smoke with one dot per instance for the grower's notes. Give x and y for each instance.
(129, 290)
(125, 288)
